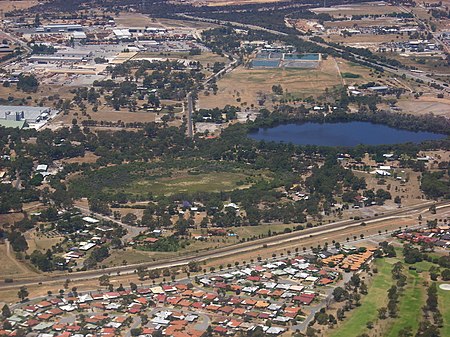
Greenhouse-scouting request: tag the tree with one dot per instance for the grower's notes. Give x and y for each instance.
(6, 312)
(27, 83)
(22, 293)
(355, 280)
(194, 266)
(405, 332)
(141, 273)
(340, 294)
(277, 89)
(104, 280)
(445, 274)
(382, 313)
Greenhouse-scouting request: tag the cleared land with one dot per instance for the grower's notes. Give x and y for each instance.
(359, 9)
(10, 266)
(226, 2)
(141, 20)
(10, 5)
(245, 87)
(183, 183)
(425, 105)
(365, 39)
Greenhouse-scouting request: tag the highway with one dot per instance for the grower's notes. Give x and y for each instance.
(299, 238)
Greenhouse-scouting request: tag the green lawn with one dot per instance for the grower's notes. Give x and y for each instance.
(411, 301)
(444, 307)
(355, 324)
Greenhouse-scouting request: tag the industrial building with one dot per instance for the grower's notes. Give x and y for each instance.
(65, 55)
(28, 114)
(59, 28)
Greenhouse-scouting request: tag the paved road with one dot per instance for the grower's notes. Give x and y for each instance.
(190, 111)
(190, 100)
(132, 231)
(274, 241)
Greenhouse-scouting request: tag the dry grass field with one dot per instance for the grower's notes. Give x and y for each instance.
(141, 20)
(359, 9)
(367, 39)
(433, 62)
(365, 74)
(10, 5)
(425, 105)
(244, 86)
(226, 2)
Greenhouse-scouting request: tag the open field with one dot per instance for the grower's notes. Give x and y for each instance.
(444, 307)
(10, 266)
(355, 324)
(39, 242)
(428, 63)
(246, 86)
(141, 20)
(365, 74)
(359, 9)
(183, 182)
(409, 309)
(425, 105)
(366, 39)
(10, 5)
(226, 2)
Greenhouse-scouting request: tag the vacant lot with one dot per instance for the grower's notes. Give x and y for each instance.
(425, 105)
(364, 74)
(247, 87)
(359, 9)
(367, 39)
(10, 266)
(185, 183)
(10, 5)
(141, 20)
(40, 242)
(227, 2)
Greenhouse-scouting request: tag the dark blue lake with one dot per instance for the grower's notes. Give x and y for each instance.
(341, 134)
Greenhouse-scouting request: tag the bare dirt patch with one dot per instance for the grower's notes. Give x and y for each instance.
(10, 5)
(426, 105)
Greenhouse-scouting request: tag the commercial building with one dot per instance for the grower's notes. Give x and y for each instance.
(59, 28)
(65, 55)
(28, 114)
